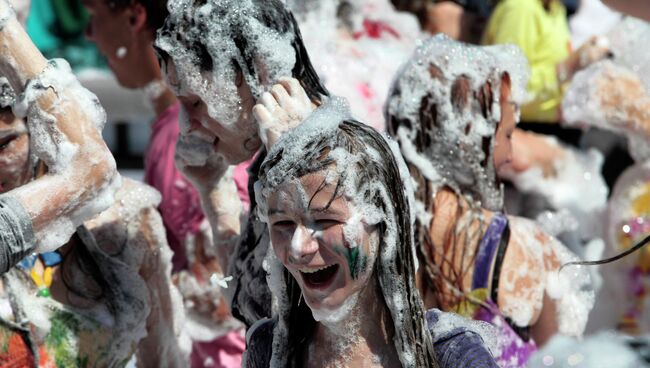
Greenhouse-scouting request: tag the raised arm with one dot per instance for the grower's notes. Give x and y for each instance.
(65, 121)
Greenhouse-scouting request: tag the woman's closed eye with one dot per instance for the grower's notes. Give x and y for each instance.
(283, 224)
(325, 223)
(5, 142)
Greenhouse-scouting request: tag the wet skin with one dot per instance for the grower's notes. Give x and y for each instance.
(236, 143)
(14, 152)
(309, 238)
(110, 30)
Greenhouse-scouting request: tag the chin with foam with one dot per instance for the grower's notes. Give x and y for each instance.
(337, 314)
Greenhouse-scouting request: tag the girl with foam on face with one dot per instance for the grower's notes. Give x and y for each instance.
(220, 58)
(124, 32)
(452, 110)
(342, 267)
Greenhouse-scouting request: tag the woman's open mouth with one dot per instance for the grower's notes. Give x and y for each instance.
(319, 278)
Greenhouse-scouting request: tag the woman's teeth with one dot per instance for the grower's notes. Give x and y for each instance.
(313, 270)
(319, 277)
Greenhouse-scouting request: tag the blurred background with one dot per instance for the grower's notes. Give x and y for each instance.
(57, 28)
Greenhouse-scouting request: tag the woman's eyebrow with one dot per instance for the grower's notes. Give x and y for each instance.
(274, 211)
(332, 210)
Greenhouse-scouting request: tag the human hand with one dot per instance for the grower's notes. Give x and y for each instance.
(282, 109)
(196, 159)
(534, 150)
(596, 49)
(64, 122)
(203, 300)
(610, 97)
(201, 294)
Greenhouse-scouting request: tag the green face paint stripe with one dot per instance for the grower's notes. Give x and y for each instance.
(356, 260)
(353, 255)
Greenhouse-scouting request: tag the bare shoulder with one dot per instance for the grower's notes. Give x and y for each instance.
(523, 274)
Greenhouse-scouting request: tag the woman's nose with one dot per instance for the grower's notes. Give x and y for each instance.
(303, 244)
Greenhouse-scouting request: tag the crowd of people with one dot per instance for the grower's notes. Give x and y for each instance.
(341, 183)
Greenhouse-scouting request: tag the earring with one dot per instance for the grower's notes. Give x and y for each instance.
(121, 52)
(300, 298)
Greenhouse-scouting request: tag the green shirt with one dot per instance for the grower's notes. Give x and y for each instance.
(545, 40)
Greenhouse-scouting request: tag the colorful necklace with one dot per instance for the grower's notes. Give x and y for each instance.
(42, 280)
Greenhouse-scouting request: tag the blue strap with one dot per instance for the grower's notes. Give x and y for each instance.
(486, 250)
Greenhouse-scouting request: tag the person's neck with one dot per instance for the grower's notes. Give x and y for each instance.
(363, 338)
(163, 101)
(149, 70)
(447, 209)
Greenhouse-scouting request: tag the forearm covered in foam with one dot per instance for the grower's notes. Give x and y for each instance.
(223, 209)
(65, 123)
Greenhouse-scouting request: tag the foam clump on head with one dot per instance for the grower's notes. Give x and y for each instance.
(291, 147)
(211, 41)
(445, 136)
(7, 94)
(368, 173)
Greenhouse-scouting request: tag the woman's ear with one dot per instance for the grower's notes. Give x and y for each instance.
(505, 86)
(137, 17)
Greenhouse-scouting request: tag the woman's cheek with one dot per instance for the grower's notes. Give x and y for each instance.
(279, 246)
(333, 236)
(281, 238)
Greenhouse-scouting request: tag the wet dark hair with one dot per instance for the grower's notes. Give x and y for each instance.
(395, 271)
(156, 10)
(272, 14)
(440, 276)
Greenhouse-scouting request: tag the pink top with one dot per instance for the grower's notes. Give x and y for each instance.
(180, 206)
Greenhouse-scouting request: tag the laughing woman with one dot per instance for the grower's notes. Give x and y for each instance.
(342, 269)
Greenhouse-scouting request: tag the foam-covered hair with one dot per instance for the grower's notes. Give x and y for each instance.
(371, 174)
(443, 109)
(7, 94)
(212, 41)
